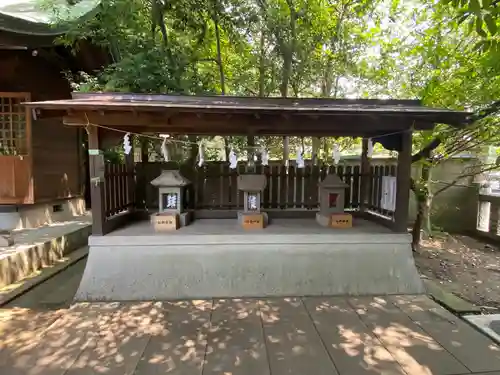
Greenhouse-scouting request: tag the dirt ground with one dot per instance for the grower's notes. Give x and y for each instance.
(464, 266)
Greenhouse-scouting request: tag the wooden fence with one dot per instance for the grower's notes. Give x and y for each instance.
(118, 189)
(214, 185)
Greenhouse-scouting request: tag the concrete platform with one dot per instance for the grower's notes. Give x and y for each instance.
(217, 259)
(397, 335)
(36, 248)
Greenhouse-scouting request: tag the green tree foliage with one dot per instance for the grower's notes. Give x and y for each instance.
(445, 53)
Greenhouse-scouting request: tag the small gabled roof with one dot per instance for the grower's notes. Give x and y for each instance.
(170, 178)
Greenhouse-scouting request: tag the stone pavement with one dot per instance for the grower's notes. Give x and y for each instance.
(303, 336)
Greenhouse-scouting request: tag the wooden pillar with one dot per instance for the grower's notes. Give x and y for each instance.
(130, 167)
(403, 184)
(96, 165)
(286, 151)
(365, 176)
(251, 147)
(144, 151)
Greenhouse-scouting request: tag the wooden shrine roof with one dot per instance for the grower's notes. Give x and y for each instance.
(243, 115)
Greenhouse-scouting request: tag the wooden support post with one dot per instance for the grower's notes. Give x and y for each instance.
(286, 151)
(130, 168)
(144, 151)
(403, 184)
(316, 143)
(365, 177)
(96, 165)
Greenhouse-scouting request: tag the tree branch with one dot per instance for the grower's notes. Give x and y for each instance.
(427, 150)
(479, 115)
(457, 179)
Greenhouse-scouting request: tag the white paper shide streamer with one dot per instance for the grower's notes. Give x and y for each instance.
(370, 148)
(300, 158)
(201, 154)
(164, 150)
(127, 147)
(336, 154)
(233, 160)
(264, 157)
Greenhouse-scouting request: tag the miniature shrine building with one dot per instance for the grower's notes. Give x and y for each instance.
(213, 256)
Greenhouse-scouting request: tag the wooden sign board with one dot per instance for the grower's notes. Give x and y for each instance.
(341, 221)
(165, 222)
(255, 221)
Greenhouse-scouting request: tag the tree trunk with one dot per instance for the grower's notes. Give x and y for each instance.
(219, 57)
(262, 67)
(423, 196)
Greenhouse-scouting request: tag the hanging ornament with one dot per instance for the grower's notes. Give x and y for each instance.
(233, 160)
(164, 150)
(127, 147)
(369, 151)
(336, 154)
(264, 157)
(300, 159)
(201, 154)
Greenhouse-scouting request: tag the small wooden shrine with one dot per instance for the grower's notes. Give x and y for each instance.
(213, 256)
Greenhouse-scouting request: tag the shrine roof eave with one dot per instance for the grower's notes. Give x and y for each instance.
(347, 113)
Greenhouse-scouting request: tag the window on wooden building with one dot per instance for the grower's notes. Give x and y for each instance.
(13, 124)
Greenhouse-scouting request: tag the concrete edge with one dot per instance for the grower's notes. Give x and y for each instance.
(451, 302)
(22, 263)
(246, 238)
(47, 273)
(476, 322)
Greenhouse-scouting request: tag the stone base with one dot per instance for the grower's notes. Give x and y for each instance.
(323, 219)
(185, 219)
(249, 264)
(178, 221)
(243, 215)
(165, 222)
(31, 216)
(6, 240)
(332, 220)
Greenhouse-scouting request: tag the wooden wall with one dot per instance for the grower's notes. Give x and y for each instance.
(56, 160)
(55, 149)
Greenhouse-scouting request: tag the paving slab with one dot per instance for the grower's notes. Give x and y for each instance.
(415, 350)
(476, 351)
(352, 346)
(58, 347)
(236, 343)
(451, 301)
(396, 335)
(178, 342)
(293, 344)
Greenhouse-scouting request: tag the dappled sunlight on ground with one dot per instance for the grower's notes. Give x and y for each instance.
(317, 335)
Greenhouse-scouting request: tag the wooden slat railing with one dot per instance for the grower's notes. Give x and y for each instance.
(214, 185)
